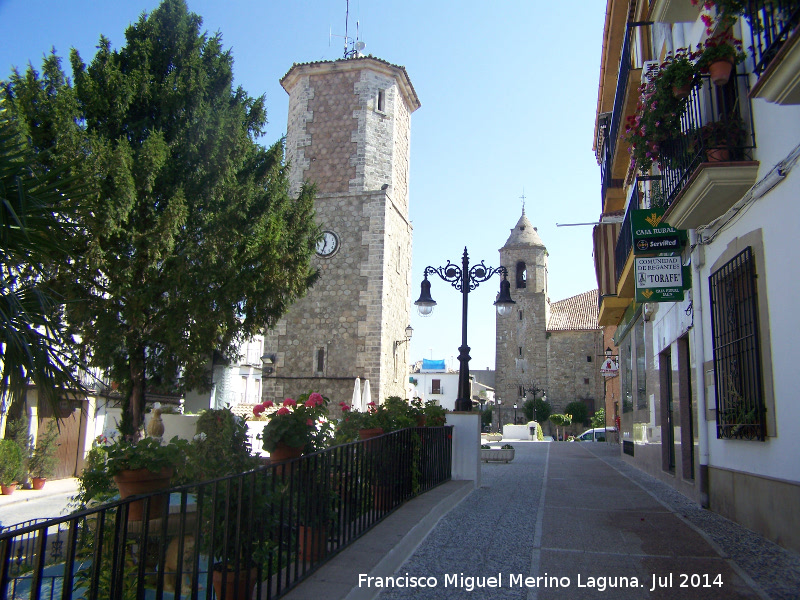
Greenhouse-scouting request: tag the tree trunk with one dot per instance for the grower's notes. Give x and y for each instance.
(138, 382)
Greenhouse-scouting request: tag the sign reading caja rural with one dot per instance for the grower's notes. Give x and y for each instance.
(659, 279)
(652, 235)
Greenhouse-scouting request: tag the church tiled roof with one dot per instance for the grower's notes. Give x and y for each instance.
(575, 313)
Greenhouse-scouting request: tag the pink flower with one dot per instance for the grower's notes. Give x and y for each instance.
(267, 404)
(317, 399)
(289, 402)
(309, 422)
(258, 409)
(370, 404)
(283, 411)
(345, 408)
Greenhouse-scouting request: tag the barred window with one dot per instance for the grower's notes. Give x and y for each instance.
(737, 351)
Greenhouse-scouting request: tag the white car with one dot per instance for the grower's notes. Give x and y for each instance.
(595, 435)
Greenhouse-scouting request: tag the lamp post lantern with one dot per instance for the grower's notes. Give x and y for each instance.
(464, 279)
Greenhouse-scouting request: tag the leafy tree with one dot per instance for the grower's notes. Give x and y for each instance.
(542, 412)
(194, 243)
(560, 420)
(579, 412)
(598, 419)
(37, 239)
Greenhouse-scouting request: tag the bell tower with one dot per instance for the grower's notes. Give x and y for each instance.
(521, 343)
(348, 134)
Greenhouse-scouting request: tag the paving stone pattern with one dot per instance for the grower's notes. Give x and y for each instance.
(577, 509)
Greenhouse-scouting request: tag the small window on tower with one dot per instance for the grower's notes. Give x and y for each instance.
(586, 381)
(520, 350)
(588, 359)
(381, 105)
(320, 360)
(520, 314)
(522, 274)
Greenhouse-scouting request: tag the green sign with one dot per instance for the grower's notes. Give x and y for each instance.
(652, 235)
(660, 279)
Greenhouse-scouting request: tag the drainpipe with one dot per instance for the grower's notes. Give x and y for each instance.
(698, 261)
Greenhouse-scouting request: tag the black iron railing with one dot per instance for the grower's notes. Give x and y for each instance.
(716, 127)
(270, 527)
(620, 96)
(771, 24)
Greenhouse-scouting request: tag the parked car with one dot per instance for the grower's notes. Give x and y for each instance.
(595, 435)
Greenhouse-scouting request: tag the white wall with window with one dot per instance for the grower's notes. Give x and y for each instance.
(439, 385)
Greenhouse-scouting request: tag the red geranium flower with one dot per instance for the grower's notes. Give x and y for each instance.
(289, 402)
(267, 404)
(345, 407)
(283, 411)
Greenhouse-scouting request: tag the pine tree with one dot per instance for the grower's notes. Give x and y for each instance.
(193, 242)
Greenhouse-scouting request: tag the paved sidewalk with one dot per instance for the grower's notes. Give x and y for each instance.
(557, 513)
(54, 487)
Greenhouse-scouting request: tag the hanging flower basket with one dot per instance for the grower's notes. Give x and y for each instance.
(720, 71)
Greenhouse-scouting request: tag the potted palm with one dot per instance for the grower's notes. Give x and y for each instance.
(43, 461)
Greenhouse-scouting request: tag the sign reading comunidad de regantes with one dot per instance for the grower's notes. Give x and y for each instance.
(658, 279)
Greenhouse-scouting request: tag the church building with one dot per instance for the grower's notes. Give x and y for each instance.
(349, 133)
(555, 349)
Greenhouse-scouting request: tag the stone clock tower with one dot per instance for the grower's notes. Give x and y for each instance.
(349, 133)
(521, 346)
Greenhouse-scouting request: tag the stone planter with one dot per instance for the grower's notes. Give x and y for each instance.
(497, 455)
(494, 437)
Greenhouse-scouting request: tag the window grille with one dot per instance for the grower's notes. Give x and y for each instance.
(737, 351)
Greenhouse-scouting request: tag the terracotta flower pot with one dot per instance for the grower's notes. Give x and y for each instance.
(284, 452)
(365, 434)
(718, 155)
(311, 542)
(681, 92)
(720, 71)
(8, 489)
(229, 579)
(38, 482)
(143, 481)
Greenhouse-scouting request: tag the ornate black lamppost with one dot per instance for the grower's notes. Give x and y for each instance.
(534, 389)
(465, 279)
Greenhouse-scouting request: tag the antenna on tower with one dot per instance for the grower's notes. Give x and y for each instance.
(352, 48)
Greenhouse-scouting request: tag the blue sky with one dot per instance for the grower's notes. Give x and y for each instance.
(508, 92)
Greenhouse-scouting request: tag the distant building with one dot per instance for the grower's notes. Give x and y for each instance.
(547, 348)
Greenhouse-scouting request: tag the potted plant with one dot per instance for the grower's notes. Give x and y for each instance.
(718, 55)
(296, 427)
(504, 453)
(43, 461)
(717, 138)
(657, 119)
(142, 467)
(11, 465)
(678, 73)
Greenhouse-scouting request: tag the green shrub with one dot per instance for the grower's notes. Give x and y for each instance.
(43, 460)
(11, 462)
(579, 412)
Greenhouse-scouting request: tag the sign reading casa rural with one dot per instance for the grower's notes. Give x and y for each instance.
(651, 234)
(659, 279)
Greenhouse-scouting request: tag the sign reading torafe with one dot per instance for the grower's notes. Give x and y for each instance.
(659, 279)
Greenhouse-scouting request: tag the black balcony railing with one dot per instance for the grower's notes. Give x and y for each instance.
(612, 125)
(717, 127)
(272, 526)
(771, 23)
(647, 192)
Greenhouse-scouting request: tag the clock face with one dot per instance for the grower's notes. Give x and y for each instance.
(328, 245)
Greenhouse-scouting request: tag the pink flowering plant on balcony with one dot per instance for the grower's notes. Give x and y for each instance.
(301, 423)
(658, 113)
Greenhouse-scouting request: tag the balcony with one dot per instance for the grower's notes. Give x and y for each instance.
(646, 192)
(614, 158)
(775, 34)
(708, 168)
(674, 11)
